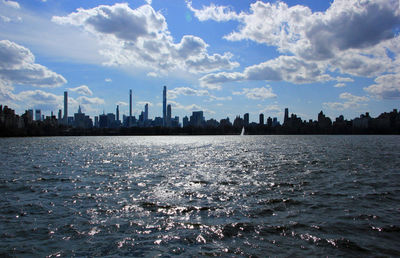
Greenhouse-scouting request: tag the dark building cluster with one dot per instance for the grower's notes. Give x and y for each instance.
(35, 124)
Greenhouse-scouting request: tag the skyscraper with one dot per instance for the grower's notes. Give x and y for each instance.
(286, 115)
(246, 119)
(38, 116)
(130, 103)
(117, 112)
(165, 106)
(65, 107)
(146, 112)
(169, 115)
(261, 122)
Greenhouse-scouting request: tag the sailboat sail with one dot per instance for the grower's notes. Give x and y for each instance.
(242, 133)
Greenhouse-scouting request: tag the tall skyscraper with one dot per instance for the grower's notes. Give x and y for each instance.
(117, 112)
(38, 115)
(286, 115)
(130, 103)
(146, 112)
(261, 122)
(246, 119)
(65, 107)
(165, 106)
(169, 114)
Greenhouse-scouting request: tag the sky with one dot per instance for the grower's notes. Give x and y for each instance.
(226, 58)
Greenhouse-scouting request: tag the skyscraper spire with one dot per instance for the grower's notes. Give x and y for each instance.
(165, 106)
(130, 103)
(65, 107)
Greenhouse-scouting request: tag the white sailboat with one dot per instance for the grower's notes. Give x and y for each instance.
(242, 133)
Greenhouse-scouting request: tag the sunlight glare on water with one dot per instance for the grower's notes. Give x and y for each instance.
(200, 195)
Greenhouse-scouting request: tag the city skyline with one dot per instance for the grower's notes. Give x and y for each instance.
(213, 56)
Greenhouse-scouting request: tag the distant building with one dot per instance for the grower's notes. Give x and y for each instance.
(65, 107)
(146, 112)
(261, 120)
(269, 122)
(164, 106)
(246, 119)
(197, 119)
(81, 120)
(38, 115)
(275, 122)
(185, 121)
(169, 115)
(285, 119)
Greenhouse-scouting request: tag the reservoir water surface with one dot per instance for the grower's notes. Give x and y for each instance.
(200, 196)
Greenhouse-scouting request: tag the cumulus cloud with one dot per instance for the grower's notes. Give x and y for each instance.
(282, 68)
(121, 103)
(108, 80)
(271, 109)
(386, 87)
(350, 102)
(339, 85)
(257, 93)
(17, 66)
(189, 108)
(186, 91)
(82, 90)
(350, 37)
(41, 100)
(12, 4)
(213, 12)
(141, 37)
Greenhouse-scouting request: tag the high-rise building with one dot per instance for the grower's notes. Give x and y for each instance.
(165, 106)
(197, 119)
(65, 107)
(146, 112)
(130, 103)
(59, 115)
(261, 122)
(38, 115)
(246, 119)
(286, 115)
(269, 121)
(117, 112)
(169, 113)
(185, 121)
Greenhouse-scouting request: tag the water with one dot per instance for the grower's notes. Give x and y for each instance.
(200, 196)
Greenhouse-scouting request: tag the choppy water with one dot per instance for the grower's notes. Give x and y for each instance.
(195, 196)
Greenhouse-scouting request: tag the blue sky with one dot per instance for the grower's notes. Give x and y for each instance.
(223, 57)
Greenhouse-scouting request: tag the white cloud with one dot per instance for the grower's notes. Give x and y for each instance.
(271, 109)
(5, 18)
(213, 12)
(140, 37)
(186, 91)
(17, 66)
(82, 90)
(344, 79)
(283, 68)
(143, 103)
(153, 74)
(386, 87)
(121, 103)
(350, 102)
(108, 80)
(257, 93)
(189, 108)
(39, 99)
(12, 4)
(339, 85)
(350, 37)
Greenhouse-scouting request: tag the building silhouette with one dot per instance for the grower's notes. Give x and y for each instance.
(165, 106)
(65, 107)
